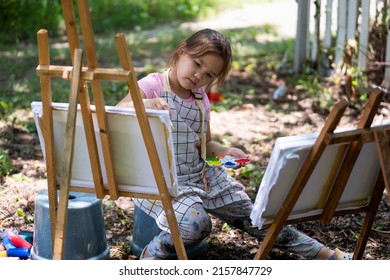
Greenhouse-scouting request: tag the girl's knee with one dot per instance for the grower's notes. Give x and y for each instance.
(195, 225)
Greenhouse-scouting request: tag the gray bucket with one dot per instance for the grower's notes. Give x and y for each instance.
(145, 228)
(85, 232)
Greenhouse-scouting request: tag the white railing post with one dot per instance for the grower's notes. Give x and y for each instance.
(316, 38)
(341, 33)
(352, 19)
(302, 35)
(363, 35)
(386, 79)
(328, 25)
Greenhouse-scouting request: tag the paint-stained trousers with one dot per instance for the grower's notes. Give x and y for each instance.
(196, 225)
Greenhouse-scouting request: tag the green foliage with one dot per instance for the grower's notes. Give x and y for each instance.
(135, 14)
(310, 84)
(359, 82)
(5, 108)
(20, 212)
(252, 174)
(226, 227)
(5, 163)
(21, 19)
(230, 100)
(109, 203)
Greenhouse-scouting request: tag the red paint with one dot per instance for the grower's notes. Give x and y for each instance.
(242, 160)
(215, 96)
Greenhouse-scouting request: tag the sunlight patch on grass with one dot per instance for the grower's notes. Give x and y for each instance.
(20, 88)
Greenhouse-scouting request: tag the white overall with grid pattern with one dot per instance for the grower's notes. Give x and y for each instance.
(186, 139)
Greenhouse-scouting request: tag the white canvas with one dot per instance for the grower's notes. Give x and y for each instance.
(285, 162)
(133, 168)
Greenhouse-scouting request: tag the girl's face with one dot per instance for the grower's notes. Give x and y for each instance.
(193, 73)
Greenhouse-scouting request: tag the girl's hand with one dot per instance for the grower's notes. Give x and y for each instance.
(236, 152)
(156, 103)
(214, 149)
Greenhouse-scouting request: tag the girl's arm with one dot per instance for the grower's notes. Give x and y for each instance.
(153, 103)
(127, 101)
(214, 149)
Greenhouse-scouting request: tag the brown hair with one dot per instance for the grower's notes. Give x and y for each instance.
(204, 42)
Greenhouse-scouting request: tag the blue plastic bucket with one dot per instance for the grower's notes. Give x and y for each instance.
(85, 232)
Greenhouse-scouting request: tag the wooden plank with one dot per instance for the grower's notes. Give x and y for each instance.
(87, 30)
(303, 176)
(332, 175)
(121, 193)
(317, 216)
(47, 129)
(97, 90)
(93, 152)
(351, 157)
(71, 27)
(364, 134)
(382, 143)
(74, 42)
(126, 61)
(66, 168)
(369, 219)
(87, 74)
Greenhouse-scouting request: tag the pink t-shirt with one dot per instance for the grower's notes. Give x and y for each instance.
(153, 86)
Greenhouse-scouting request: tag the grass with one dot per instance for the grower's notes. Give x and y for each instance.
(150, 50)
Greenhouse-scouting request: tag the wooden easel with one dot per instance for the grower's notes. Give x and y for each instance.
(79, 77)
(343, 167)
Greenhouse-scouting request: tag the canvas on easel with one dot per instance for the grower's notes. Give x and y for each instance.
(319, 176)
(105, 175)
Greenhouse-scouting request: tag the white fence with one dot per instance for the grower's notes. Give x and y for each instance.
(349, 21)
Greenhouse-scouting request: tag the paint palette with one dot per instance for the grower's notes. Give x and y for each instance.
(227, 161)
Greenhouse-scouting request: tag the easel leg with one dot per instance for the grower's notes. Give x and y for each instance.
(97, 91)
(62, 215)
(383, 148)
(382, 145)
(83, 97)
(47, 118)
(369, 219)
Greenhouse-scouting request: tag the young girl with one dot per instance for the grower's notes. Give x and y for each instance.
(204, 58)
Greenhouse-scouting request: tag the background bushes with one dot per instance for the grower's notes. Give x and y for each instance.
(21, 19)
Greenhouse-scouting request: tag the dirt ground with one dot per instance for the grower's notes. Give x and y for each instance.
(253, 127)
